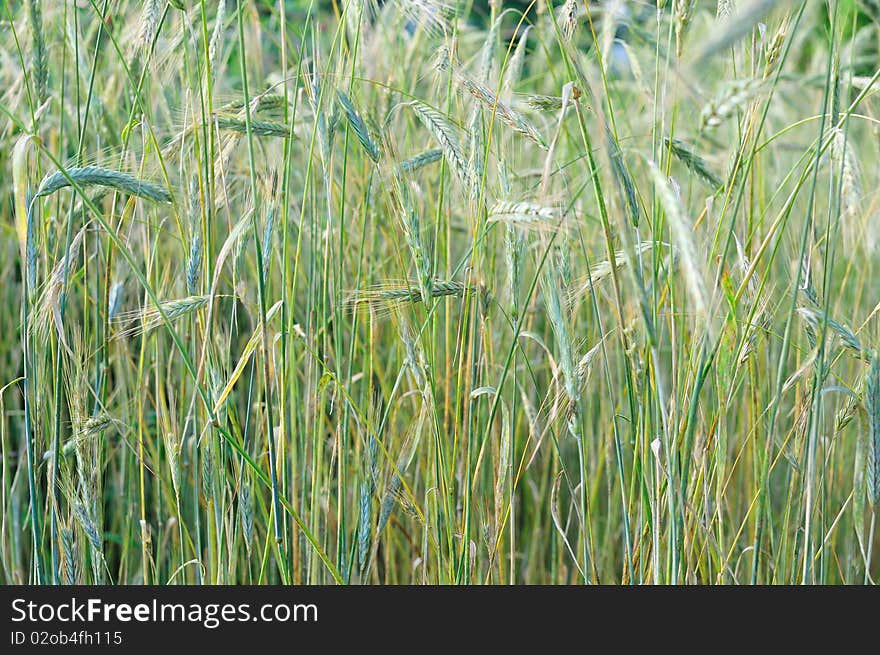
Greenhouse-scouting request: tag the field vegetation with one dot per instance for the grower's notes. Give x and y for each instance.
(438, 292)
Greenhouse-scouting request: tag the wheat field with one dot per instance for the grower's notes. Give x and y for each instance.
(439, 292)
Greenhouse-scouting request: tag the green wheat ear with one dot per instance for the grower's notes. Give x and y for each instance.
(259, 128)
(359, 127)
(872, 407)
(447, 136)
(40, 59)
(420, 160)
(686, 155)
(97, 176)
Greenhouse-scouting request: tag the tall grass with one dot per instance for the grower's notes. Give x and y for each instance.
(433, 292)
